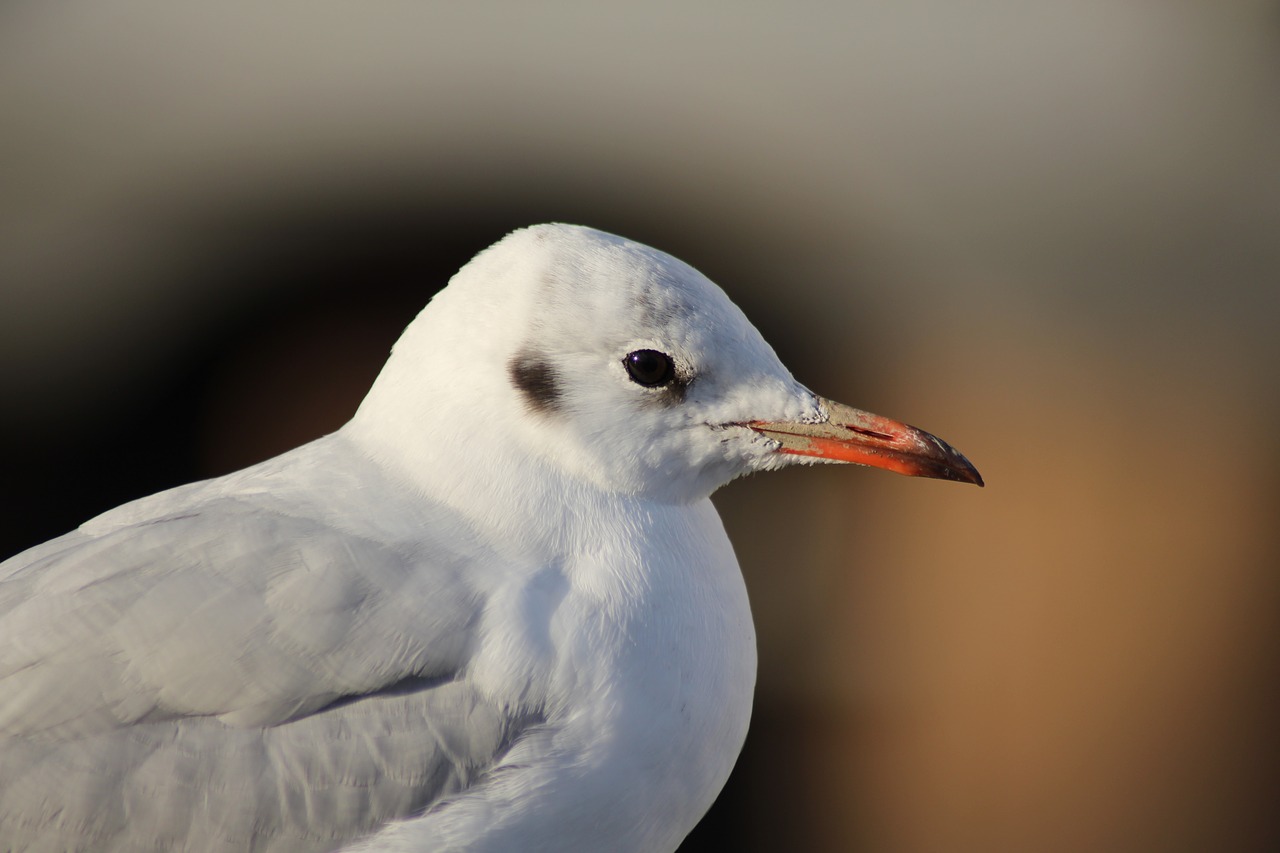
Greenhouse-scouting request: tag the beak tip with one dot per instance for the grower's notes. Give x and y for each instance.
(965, 472)
(941, 461)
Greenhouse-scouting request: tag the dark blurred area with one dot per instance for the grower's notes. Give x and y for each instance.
(1047, 232)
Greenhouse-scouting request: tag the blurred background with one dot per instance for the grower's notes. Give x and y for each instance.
(1047, 231)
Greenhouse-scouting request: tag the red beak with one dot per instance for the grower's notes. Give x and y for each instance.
(852, 435)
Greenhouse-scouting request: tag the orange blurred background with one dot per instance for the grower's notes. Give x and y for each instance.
(1046, 231)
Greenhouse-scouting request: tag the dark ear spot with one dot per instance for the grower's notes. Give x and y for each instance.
(537, 380)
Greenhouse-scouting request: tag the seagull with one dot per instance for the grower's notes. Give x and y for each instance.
(496, 611)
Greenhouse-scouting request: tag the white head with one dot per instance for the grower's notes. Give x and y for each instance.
(615, 364)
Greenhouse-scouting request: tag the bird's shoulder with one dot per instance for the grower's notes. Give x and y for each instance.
(234, 598)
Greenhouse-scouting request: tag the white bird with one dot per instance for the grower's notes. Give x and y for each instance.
(494, 612)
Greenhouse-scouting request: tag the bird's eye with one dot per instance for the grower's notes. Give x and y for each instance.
(650, 368)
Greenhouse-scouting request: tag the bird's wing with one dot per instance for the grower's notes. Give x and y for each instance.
(233, 675)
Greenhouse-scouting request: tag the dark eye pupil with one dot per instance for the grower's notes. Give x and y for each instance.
(649, 367)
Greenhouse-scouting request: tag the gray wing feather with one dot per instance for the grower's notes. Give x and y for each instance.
(197, 784)
(233, 678)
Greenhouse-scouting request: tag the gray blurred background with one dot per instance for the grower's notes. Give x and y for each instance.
(1046, 231)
